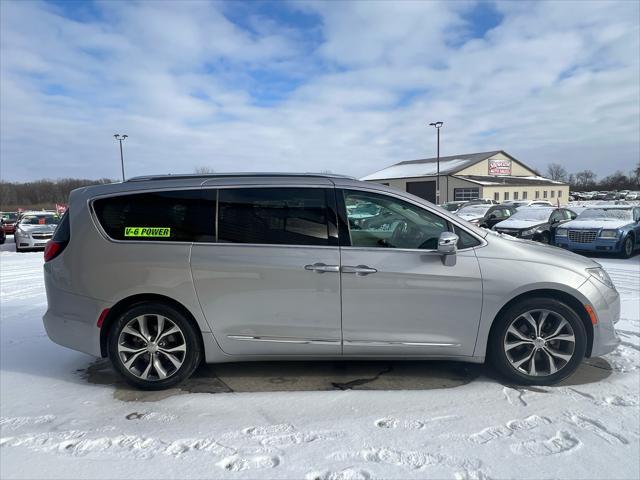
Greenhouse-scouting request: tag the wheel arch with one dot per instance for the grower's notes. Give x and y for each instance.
(573, 302)
(127, 303)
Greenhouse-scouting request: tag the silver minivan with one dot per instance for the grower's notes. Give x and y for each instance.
(162, 273)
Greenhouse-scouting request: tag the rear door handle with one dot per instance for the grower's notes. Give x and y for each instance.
(360, 270)
(321, 268)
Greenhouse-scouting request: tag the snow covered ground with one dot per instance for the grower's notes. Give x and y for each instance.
(57, 424)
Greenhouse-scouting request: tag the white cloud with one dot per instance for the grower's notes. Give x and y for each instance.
(553, 82)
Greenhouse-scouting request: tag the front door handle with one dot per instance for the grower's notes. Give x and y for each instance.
(360, 270)
(321, 268)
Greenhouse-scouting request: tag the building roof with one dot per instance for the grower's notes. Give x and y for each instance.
(428, 166)
(492, 180)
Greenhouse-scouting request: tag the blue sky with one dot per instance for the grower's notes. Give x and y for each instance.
(347, 87)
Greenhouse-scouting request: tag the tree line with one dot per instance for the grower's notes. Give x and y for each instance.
(41, 193)
(587, 180)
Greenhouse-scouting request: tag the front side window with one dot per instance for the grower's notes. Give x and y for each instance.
(275, 216)
(386, 222)
(176, 216)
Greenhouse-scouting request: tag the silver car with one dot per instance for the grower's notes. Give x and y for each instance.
(163, 273)
(34, 230)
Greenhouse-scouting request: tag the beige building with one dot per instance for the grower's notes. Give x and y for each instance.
(494, 175)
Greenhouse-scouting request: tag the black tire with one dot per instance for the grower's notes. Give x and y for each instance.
(496, 349)
(627, 247)
(189, 336)
(544, 238)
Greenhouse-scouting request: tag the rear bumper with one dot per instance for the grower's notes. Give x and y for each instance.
(606, 304)
(71, 319)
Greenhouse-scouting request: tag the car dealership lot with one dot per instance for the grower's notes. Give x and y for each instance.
(65, 415)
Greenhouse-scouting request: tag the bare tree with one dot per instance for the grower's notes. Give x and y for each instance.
(204, 170)
(586, 178)
(557, 172)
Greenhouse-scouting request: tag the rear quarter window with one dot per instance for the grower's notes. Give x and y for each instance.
(177, 216)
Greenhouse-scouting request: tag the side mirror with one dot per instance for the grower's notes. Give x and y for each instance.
(447, 247)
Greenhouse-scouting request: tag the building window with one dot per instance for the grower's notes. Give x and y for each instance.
(496, 196)
(559, 193)
(544, 194)
(537, 194)
(515, 195)
(506, 196)
(462, 194)
(524, 195)
(553, 193)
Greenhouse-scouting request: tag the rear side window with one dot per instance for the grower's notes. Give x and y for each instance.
(176, 216)
(63, 230)
(284, 216)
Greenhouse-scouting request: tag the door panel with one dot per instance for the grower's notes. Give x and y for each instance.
(260, 300)
(412, 299)
(397, 296)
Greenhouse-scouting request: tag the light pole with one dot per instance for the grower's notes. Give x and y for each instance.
(120, 138)
(438, 125)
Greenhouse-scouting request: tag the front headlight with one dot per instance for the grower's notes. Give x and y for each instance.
(601, 275)
(561, 232)
(608, 233)
(531, 231)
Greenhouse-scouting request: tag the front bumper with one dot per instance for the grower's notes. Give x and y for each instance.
(605, 302)
(32, 241)
(598, 245)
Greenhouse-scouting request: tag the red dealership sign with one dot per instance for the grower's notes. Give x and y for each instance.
(499, 167)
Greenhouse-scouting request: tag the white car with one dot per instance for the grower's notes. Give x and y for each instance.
(632, 196)
(34, 230)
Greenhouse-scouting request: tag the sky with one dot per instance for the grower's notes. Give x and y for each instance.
(309, 86)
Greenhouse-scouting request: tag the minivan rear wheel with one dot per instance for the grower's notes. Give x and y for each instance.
(154, 346)
(538, 341)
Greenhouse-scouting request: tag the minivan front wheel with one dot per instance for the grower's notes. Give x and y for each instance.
(153, 346)
(538, 341)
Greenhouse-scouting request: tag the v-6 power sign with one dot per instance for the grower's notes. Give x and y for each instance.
(147, 232)
(499, 167)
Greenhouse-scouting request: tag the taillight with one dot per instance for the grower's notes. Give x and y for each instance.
(53, 249)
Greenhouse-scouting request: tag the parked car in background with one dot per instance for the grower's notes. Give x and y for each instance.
(453, 207)
(602, 228)
(34, 230)
(482, 201)
(632, 196)
(485, 215)
(163, 273)
(9, 222)
(535, 223)
(528, 203)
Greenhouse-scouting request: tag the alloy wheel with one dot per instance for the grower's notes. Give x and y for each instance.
(539, 342)
(152, 347)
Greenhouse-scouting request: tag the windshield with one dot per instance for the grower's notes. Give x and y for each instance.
(606, 214)
(541, 214)
(479, 210)
(40, 220)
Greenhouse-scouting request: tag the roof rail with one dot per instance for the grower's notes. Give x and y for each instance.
(183, 176)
